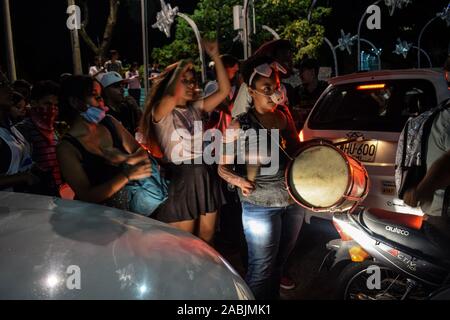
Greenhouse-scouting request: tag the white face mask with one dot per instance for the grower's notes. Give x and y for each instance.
(278, 97)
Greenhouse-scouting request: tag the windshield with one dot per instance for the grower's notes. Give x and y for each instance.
(373, 106)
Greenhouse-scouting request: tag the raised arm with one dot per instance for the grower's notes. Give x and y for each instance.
(212, 101)
(172, 93)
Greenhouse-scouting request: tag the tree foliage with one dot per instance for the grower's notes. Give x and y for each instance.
(214, 19)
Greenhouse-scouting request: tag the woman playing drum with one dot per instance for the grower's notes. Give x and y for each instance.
(271, 219)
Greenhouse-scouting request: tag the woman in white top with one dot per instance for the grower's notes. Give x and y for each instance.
(173, 119)
(133, 82)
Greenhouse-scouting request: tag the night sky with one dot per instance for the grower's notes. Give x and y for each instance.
(43, 50)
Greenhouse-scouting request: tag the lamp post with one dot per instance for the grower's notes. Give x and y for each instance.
(313, 4)
(375, 50)
(165, 19)
(75, 39)
(359, 34)
(333, 51)
(444, 15)
(145, 43)
(9, 41)
(273, 32)
(245, 36)
(345, 42)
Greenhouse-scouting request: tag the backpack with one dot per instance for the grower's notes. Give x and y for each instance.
(410, 160)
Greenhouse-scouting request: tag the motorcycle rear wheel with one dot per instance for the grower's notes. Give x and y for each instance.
(370, 280)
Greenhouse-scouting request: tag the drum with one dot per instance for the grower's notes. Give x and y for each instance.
(322, 178)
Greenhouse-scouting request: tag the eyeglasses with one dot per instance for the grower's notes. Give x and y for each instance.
(268, 91)
(187, 82)
(266, 70)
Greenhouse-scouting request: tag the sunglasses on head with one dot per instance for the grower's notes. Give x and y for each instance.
(266, 70)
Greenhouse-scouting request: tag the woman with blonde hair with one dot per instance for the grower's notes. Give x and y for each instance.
(172, 122)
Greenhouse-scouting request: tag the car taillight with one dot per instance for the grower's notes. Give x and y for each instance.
(342, 234)
(301, 137)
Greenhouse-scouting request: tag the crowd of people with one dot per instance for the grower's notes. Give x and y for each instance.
(77, 138)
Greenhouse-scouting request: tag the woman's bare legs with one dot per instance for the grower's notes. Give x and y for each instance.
(207, 227)
(188, 225)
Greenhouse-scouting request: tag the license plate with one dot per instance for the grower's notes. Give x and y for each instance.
(363, 151)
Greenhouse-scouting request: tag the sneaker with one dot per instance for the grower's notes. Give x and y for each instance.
(287, 283)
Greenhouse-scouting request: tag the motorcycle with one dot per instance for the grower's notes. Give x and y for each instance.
(383, 255)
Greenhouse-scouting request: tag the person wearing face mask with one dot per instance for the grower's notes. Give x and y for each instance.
(84, 154)
(173, 119)
(39, 130)
(270, 217)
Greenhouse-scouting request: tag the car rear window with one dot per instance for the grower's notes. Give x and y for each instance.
(373, 106)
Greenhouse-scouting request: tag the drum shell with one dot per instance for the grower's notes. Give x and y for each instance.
(357, 184)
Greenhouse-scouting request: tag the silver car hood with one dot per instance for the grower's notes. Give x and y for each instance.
(57, 249)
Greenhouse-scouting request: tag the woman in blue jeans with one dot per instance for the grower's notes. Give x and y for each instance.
(271, 219)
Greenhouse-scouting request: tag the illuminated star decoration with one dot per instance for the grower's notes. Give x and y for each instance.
(392, 4)
(445, 15)
(345, 42)
(402, 48)
(165, 18)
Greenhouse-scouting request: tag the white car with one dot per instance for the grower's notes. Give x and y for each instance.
(375, 106)
(52, 248)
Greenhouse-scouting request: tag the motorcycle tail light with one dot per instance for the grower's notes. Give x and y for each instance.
(344, 236)
(357, 254)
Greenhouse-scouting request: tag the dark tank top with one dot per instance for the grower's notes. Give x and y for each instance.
(97, 168)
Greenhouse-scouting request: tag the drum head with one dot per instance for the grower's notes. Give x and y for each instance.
(319, 177)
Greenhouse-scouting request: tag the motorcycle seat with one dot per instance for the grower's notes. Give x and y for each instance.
(408, 220)
(393, 230)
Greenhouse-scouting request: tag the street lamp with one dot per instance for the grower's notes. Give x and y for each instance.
(276, 36)
(145, 43)
(9, 41)
(333, 51)
(245, 30)
(165, 19)
(345, 42)
(444, 15)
